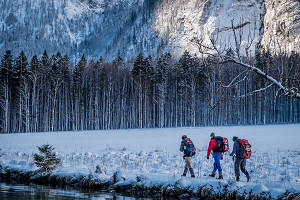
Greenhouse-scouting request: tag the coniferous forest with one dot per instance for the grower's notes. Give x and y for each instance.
(51, 93)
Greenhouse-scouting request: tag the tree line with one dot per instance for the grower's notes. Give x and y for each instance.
(51, 93)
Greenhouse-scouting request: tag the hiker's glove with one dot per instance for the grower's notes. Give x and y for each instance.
(207, 157)
(222, 158)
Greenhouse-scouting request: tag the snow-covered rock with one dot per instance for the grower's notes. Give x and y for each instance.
(282, 25)
(126, 27)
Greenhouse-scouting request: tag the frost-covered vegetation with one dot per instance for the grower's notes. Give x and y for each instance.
(152, 157)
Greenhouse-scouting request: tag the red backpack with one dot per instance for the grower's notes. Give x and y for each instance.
(190, 147)
(245, 151)
(222, 144)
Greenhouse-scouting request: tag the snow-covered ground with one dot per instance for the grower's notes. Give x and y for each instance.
(154, 154)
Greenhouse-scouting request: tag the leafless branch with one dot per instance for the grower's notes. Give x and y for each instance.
(256, 91)
(250, 38)
(212, 107)
(238, 40)
(288, 91)
(233, 80)
(223, 58)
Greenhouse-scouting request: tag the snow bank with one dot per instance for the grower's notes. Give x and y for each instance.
(140, 161)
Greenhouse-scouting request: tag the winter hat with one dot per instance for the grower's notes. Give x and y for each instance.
(234, 138)
(212, 135)
(184, 136)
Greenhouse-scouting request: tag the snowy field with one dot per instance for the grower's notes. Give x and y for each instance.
(154, 153)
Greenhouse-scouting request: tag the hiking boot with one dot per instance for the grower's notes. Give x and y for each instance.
(220, 175)
(213, 173)
(248, 178)
(184, 172)
(237, 179)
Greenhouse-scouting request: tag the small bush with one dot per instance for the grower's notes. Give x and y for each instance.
(46, 160)
(100, 169)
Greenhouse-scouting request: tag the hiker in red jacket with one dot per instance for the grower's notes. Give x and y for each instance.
(217, 156)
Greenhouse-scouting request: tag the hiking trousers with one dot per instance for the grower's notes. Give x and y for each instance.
(240, 163)
(188, 164)
(217, 164)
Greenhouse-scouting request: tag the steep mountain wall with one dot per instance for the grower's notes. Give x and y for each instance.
(126, 27)
(282, 25)
(208, 19)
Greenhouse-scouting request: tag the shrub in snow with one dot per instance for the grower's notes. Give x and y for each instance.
(100, 169)
(141, 178)
(118, 176)
(46, 160)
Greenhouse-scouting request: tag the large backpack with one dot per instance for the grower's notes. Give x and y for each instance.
(245, 149)
(190, 147)
(222, 144)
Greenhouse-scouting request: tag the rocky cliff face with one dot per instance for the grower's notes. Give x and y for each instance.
(210, 19)
(112, 28)
(282, 25)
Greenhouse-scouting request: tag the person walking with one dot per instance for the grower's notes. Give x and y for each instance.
(187, 147)
(240, 159)
(218, 155)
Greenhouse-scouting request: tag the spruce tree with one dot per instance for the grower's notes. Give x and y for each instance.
(47, 159)
(35, 64)
(6, 78)
(21, 92)
(36, 81)
(21, 67)
(138, 68)
(6, 72)
(45, 60)
(78, 93)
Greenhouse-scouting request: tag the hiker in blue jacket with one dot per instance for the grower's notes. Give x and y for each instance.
(240, 160)
(187, 156)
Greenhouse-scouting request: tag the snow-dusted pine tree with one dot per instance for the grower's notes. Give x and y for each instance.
(47, 159)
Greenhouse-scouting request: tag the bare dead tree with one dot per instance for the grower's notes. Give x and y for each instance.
(219, 56)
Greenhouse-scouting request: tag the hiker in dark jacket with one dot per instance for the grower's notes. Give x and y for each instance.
(217, 156)
(187, 156)
(240, 160)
